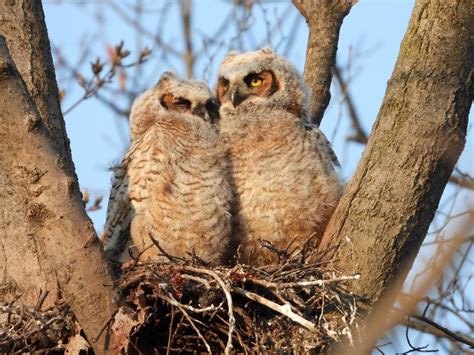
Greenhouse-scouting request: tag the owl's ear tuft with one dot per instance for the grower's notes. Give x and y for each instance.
(166, 76)
(267, 50)
(229, 56)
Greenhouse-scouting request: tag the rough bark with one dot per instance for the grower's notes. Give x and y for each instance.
(22, 24)
(44, 223)
(324, 18)
(420, 131)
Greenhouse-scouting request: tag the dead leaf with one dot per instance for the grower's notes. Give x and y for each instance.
(76, 344)
(121, 329)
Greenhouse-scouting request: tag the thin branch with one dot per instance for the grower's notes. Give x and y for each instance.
(196, 329)
(324, 18)
(304, 283)
(465, 182)
(446, 331)
(360, 136)
(226, 290)
(428, 328)
(285, 310)
(188, 55)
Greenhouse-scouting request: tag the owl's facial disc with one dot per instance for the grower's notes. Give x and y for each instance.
(261, 84)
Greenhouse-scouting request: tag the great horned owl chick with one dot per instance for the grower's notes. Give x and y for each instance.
(172, 184)
(283, 177)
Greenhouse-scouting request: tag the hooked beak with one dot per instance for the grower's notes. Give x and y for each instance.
(236, 97)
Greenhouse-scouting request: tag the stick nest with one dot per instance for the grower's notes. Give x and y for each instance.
(26, 329)
(186, 306)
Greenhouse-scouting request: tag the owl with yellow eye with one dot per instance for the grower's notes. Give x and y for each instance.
(282, 166)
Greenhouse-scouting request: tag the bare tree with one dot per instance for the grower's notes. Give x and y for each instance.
(418, 136)
(48, 242)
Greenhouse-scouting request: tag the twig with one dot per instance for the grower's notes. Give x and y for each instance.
(304, 283)
(360, 136)
(106, 324)
(188, 55)
(41, 299)
(191, 322)
(171, 300)
(285, 310)
(462, 182)
(170, 332)
(169, 256)
(444, 330)
(197, 279)
(228, 296)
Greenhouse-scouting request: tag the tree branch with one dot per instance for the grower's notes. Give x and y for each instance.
(437, 330)
(359, 135)
(41, 199)
(324, 18)
(24, 27)
(420, 131)
(188, 55)
(461, 181)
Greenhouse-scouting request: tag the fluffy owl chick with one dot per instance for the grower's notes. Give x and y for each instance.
(172, 184)
(282, 170)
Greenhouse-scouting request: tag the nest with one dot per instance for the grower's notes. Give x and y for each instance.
(184, 306)
(29, 329)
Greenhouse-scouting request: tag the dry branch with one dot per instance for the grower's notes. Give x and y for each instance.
(240, 308)
(23, 25)
(438, 330)
(42, 201)
(415, 143)
(29, 329)
(324, 18)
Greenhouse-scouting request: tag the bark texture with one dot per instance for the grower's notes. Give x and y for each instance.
(324, 18)
(420, 131)
(22, 24)
(46, 235)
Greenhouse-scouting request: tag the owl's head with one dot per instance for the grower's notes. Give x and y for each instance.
(172, 95)
(253, 80)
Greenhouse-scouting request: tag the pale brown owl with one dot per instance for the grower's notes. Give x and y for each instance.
(172, 184)
(282, 170)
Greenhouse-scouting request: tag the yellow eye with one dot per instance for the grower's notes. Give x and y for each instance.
(256, 82)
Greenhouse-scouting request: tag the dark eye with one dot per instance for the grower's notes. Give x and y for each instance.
(172, 103)
(180, 102)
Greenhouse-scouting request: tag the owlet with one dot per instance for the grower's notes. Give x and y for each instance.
(282, 170)
(172, 184)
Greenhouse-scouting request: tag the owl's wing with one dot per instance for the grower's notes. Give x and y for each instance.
(322, 144)
(119, 210)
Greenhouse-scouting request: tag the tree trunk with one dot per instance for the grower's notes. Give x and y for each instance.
(324, 18)
(383, 217)
(22, 24)
(47, 241)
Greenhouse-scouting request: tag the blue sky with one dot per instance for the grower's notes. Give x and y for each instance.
(369, 41)
(370, 36)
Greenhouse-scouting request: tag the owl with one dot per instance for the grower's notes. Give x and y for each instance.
(282, 166)
(172, 185)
